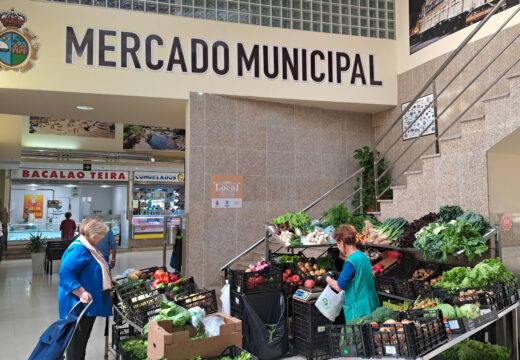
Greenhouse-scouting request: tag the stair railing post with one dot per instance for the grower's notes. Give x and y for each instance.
(435, 104)
(376, 176)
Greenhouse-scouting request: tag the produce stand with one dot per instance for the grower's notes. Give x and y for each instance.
(271, 233)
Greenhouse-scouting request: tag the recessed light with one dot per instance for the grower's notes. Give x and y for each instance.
(33, 185)
(105, 186)
(70, 185)
(201, 93)
(152, 159)
(84, 107)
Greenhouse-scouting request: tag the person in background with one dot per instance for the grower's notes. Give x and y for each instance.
(85, 277)
(107, 246)
(356, 278)
(67, 227)
(2, 239)
(28, 217)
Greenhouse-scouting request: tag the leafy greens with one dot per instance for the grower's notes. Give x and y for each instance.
(340, 215)
(478, 222)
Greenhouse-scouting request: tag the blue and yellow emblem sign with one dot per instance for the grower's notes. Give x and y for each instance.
(17, 46)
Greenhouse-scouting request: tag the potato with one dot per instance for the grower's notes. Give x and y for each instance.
(308, 266)
(390, 321)
(315, 267)
(312, 272)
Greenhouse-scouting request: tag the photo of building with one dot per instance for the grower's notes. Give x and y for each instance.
(69, 127)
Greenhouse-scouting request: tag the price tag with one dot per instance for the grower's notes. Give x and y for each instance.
(390, 350)
(321, 329)
(238, 288)
(513, 299)
(387, 291)
(237, 301)
(454, 324)
(484, 311)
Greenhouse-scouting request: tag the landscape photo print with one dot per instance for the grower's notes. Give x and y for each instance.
(138, 137)
(69, 127)
(431, 20)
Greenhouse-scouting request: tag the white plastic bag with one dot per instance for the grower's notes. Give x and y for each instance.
(197, 314)
(225, 298)
(330, 303)
(212, 325)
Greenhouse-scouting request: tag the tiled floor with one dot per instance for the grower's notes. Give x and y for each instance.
(29, 304)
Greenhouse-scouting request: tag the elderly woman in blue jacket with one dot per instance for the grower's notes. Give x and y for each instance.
(85, 277)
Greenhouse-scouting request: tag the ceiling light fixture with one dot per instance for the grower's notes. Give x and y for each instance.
(84, 107)
(70, 185)
(105, 186)
(152, 159)
(201, 93)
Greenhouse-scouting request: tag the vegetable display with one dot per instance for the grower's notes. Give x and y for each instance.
(178, 315)
(137, 347)
(378, 316)
(340, 215)
(438, 240)
(478, 222)
(326, 263)
(476, 350)
(392, 228)
(483, 274)
(449, 213)
(298, 223)
(407, 238)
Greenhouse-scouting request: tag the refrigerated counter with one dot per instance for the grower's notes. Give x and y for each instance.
(149, 226)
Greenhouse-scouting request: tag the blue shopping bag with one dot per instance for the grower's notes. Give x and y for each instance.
(54, 341)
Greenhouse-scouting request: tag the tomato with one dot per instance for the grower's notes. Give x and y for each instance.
(155, 283)
(259, 280)
(285, 277)
(159, 273)
(295, 278)
(309, 284)
(288, 272)
(165, 279)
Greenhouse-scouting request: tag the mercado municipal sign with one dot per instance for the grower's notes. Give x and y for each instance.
(126, 49)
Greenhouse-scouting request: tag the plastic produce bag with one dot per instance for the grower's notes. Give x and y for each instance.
(197, 314)
(330, 303)
(225, 298)
(264, 325)
(212, 325)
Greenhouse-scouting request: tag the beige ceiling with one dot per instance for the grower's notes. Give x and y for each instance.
(108, 108)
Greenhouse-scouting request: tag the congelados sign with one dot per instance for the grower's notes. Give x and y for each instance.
(126, 49)
(44, 174)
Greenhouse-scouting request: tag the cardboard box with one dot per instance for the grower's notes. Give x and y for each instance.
(174, 343)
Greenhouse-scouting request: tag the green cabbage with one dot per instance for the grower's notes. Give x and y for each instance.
(469, 311)
(447, 311)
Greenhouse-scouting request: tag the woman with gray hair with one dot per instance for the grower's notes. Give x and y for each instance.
(85, 277)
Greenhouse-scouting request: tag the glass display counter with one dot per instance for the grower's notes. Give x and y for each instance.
(149, 226)
(23, 232)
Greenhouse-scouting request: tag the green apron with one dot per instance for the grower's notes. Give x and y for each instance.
(361, 295)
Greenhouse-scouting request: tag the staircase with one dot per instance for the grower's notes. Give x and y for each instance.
(470, 126)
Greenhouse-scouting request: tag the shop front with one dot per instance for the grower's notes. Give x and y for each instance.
(49, 193)
(155, 195)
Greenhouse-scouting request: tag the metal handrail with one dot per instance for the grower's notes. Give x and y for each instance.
(308, 207)
(441, 68)
(461, 115)
(446, 108)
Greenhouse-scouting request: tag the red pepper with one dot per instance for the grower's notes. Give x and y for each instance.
(159, 273)
(155, 283)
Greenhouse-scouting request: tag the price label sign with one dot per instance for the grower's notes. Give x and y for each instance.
(390, 350)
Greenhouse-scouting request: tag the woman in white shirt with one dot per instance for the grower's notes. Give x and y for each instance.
(28, 217)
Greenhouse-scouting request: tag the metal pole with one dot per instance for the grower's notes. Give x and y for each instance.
(435, 104)
(165, 237)
(361, 194)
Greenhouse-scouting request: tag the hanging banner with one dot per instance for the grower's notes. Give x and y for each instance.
(35, 203)
(68, 175)
(226, 191)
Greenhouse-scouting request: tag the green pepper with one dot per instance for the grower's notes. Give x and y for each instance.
(160, 286)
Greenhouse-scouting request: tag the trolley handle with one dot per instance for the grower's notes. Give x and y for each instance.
(77, 320)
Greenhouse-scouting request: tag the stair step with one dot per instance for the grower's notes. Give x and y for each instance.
(416, 172)
(474, 118)
(384, 201)
(512, 76)
(398, 187)
(430, 156)
(374, 212)
(449, 138)
(494, 97)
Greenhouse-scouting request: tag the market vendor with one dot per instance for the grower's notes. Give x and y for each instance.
(356, 278)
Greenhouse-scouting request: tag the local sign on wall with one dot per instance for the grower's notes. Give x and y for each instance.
(158, 177)
(227, 191)
(68, 175)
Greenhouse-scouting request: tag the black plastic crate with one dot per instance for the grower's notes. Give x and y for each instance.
(493, 296)
(308, 323)
(186, 289)
(207, 300)
(510, 290)
(152, 269)
(232, 352)
(312, 350)
(348, 340)
(131, 289)
(119, 335)
(394, 281)
(142, 311)
(247, 282)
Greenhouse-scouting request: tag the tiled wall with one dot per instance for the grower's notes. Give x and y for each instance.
(289, 155)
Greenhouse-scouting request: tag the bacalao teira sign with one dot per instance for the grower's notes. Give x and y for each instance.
(49, 174)
(17, 45)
